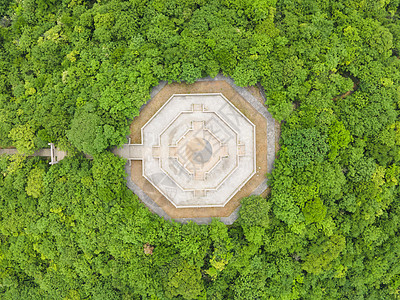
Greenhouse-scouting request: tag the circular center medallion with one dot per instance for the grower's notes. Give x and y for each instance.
(198, 150)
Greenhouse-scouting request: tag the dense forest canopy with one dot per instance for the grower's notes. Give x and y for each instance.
(76, 72)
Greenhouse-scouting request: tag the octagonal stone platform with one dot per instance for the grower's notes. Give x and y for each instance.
(204, 146)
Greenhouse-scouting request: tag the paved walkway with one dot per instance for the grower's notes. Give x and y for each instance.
(40, 152)
(55, 154)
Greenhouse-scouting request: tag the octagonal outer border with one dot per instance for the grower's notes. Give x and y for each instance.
(234, 192)
(272, 147)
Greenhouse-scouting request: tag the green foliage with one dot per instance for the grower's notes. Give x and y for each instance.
(223, 248)
(4, 4)
(35, 183)
(86, 133)
(326, 252)
(338, 139)
(245, 74)
(75, 72)
(254, 218)
(23, 138)
(305, 146)
(314, 211)
(184, 279)
(90, 134)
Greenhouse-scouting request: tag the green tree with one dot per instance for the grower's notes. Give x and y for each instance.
(338, 138)
(328, 251)
(314, 211)
(23, 137)
(86, 133)
(305, 146)
(185, 280)
(35, 183)
(254, 218)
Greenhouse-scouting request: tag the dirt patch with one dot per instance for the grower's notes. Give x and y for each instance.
(203, 87)
(355, 88)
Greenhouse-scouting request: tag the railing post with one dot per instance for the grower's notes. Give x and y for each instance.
(52, 154)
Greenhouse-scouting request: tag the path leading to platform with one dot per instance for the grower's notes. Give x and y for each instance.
(53, 153)
(129, 151)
